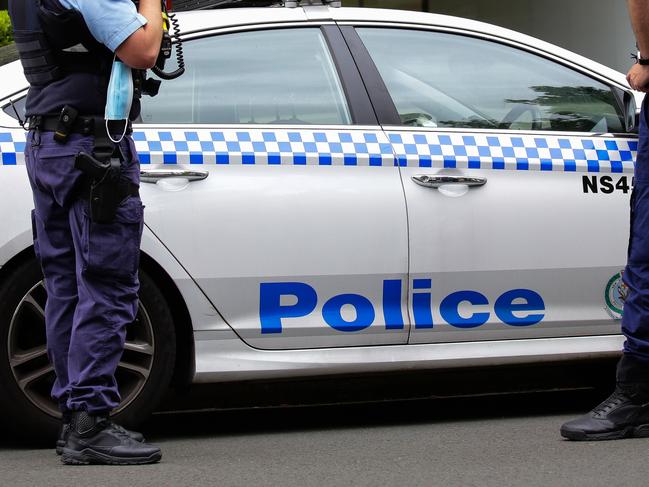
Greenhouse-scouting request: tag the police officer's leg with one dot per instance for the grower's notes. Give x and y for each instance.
(107, 276)
(634, 365)
(626, 412)
(52, 176)
(107, 261)
(56, 253)
(54, 182)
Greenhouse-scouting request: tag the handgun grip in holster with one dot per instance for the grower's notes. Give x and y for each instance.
(104, 197)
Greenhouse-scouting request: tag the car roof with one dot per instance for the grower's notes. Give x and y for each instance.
(204, 20)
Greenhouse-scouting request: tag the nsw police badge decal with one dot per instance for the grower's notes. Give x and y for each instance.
(615, 294)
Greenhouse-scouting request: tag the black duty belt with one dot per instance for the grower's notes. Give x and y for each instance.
(81, 125)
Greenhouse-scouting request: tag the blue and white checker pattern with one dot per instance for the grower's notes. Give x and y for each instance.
(272, 147)
(12, 147)
(514, 152)
(369, 148)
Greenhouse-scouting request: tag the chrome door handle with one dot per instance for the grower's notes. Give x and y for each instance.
(438, 181)
(155, 175)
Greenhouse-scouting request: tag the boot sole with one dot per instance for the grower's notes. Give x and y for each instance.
(641, 431)
(92, 457)
(60, 444)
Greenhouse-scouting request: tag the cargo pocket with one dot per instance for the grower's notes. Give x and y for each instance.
(113, 249)
(54, 171)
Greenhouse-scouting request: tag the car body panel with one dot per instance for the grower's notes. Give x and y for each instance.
(323, 208)
(222, 357)
(17, 203)
(514, 231)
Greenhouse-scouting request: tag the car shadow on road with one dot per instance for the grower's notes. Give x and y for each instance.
(373, 401)
(393, 399)
(282, 419)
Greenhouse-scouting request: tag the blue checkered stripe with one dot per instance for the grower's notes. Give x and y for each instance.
(289, 147)
(514, 152)
(12, 147)
(369, 148)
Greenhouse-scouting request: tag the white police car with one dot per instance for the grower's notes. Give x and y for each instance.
(336, 190)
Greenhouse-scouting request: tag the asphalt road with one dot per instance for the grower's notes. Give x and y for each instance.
(509, 440)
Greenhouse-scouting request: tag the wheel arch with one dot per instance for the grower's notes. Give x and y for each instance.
(16, 261)
(185, 363)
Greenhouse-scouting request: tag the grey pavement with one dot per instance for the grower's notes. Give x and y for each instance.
(509, 440)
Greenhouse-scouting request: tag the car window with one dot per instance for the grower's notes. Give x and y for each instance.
(447, 80)
(283, 76)
(18, 106)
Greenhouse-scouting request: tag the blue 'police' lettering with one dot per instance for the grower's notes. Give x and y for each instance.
(332, 312)
(518, 307)
(422, 303)
(505, 307)
(449, 309)
(271, 310)
(392, 305)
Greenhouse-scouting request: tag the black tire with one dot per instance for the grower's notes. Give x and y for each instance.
(29, 422)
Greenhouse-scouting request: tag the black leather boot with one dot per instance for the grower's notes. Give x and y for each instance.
(65, 432)
(625, 414)
(96, 440)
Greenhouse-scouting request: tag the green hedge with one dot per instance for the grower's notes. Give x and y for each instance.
(6, 36)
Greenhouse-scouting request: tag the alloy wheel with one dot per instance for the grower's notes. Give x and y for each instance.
(33, 372)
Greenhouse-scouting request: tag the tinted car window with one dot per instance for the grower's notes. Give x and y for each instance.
(447, 80)
(265, 77)
(18, 106)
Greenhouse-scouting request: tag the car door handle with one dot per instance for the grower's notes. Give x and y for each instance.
(155, 175)
(438, 181)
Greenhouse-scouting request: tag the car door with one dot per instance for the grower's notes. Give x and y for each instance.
(517, 190)
(273, 185)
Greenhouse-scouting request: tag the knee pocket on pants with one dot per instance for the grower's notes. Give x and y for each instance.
(113, 249)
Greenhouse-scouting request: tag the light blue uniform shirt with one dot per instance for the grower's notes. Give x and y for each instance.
(111, 22)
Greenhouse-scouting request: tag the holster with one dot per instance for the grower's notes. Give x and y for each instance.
(105, 192)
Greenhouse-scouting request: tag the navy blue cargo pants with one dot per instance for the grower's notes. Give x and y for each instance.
(90, 272)
(634, 366)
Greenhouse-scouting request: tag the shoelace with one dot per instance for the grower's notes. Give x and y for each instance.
(612, 402)
(121, 432)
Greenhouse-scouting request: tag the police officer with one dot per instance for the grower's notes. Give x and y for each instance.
(87, 225)
(626, 412)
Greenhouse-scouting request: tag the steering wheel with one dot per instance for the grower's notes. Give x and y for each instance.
(517, 112)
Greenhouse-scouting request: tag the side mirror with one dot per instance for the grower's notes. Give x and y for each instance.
(631, 115)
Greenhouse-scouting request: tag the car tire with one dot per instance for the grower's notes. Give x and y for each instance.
(144, 373)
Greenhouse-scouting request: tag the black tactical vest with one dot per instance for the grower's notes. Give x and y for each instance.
(62, 61)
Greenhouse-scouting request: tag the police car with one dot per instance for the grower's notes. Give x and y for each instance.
(341, 190)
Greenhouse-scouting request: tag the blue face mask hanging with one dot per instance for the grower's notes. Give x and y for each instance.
(120, 96)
